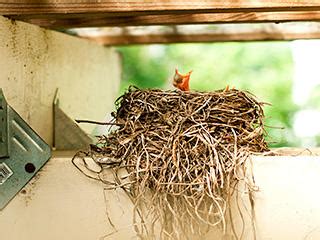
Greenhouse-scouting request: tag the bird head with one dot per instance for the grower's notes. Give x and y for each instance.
(181, 81)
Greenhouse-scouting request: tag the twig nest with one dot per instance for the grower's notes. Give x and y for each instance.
(187, 148)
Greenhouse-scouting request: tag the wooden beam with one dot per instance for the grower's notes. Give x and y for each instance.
(201, 38)
(172, 19)
(250, 35)
(13, 7)
(85, 13)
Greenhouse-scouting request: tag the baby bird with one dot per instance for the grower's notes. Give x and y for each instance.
(181, 81)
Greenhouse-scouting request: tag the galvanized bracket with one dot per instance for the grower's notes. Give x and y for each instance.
(67, 133)
(22, 152)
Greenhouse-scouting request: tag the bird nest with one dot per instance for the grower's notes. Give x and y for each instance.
(185, 154)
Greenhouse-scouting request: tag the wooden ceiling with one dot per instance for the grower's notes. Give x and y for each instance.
(66, 14)
(200, 33)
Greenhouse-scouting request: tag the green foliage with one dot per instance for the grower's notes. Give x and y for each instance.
(264, 69)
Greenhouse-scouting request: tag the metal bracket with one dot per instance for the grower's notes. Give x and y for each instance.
(22, 152)
(67, 133)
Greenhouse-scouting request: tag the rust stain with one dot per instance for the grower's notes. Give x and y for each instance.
(46, 39)
(29, 190)
(13, 40)
(23, 191)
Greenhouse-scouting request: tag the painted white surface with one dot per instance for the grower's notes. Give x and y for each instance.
(60, 203)
(34, 62)
(288, 204)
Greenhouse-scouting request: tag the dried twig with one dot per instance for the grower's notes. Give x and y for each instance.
(188, 150)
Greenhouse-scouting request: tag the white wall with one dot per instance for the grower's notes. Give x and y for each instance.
(61, 203)
(34, 62)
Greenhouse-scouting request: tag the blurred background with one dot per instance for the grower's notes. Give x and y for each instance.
(283, 74)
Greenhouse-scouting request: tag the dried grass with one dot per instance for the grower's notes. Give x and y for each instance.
(185, 154)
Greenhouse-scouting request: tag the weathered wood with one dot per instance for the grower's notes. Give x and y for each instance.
(170, 19)
(185, 37)
(131, 6)
(84, 13)
(201, 38)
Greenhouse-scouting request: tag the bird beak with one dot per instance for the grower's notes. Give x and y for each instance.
(178, 77)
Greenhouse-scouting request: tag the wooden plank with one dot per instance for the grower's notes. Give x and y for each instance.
(171, 19)
(85, 13)
(11, 7)
(254, 35)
